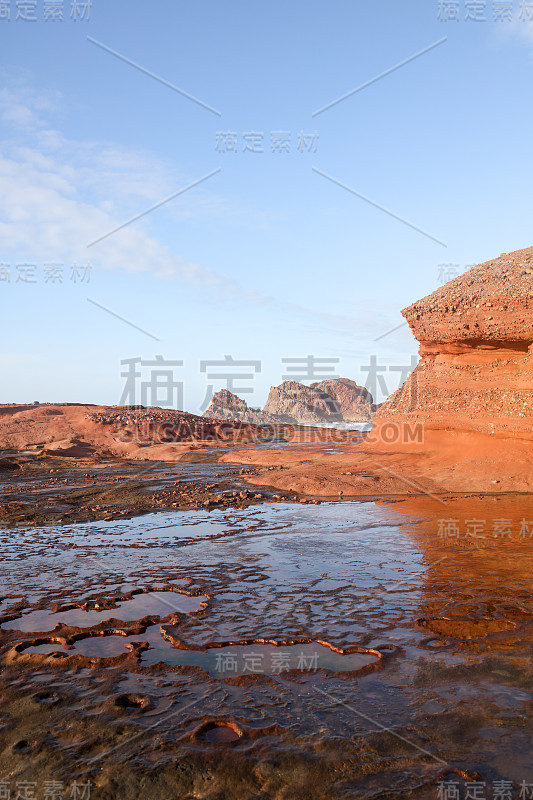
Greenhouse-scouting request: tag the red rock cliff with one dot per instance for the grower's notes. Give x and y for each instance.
(476, 344)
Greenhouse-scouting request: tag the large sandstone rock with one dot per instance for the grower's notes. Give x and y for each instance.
(327, 402)
(352, 402)
(476, 343)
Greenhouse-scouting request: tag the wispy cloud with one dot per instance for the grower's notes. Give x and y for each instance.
(58, 195)
(520, 28)
(42, 216)
(23, 106)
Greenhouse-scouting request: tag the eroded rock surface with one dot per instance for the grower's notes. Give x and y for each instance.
(476, 343)
(76, 430)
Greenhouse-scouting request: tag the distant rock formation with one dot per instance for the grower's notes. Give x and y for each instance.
(329, 401)
(227, 406)
(294, 402)
(352, 402)
(476, 344)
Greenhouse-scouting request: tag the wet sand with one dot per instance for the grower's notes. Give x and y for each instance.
(48, 490)
(267, 648)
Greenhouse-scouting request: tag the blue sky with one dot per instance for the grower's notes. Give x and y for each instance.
(267, 258)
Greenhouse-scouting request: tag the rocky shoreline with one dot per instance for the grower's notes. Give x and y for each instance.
(462, 422)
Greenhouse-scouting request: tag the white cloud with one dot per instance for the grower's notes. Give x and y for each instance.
(43, 218)
(24, 107)
(58, 195)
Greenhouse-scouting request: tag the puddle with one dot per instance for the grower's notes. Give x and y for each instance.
(218, 733)
(219, 662)
(8, 602)
(141, 605)
(221, 734)
(257, 659)
(46, 649)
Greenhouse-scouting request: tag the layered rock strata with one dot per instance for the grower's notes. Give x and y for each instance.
(476, 347)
